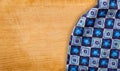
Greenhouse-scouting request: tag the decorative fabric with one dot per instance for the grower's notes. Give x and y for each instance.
(95, 41)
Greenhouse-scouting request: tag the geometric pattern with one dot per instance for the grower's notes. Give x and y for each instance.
(95, 42)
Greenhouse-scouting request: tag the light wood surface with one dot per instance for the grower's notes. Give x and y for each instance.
(34, 34)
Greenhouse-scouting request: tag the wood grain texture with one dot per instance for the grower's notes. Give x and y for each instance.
(34, 34)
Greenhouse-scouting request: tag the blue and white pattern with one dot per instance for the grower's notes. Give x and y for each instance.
(95, 41)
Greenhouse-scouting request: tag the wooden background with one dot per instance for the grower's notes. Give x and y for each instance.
(34, 34)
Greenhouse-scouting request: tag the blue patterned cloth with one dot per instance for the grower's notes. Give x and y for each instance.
(95, 41)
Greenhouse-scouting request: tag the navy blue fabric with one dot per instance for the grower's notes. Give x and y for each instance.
(95, 40)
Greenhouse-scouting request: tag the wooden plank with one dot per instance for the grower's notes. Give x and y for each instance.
(34, 34)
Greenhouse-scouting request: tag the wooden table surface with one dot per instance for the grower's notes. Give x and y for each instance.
(34, 34)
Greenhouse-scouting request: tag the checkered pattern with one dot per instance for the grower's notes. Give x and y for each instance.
(95, 41)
